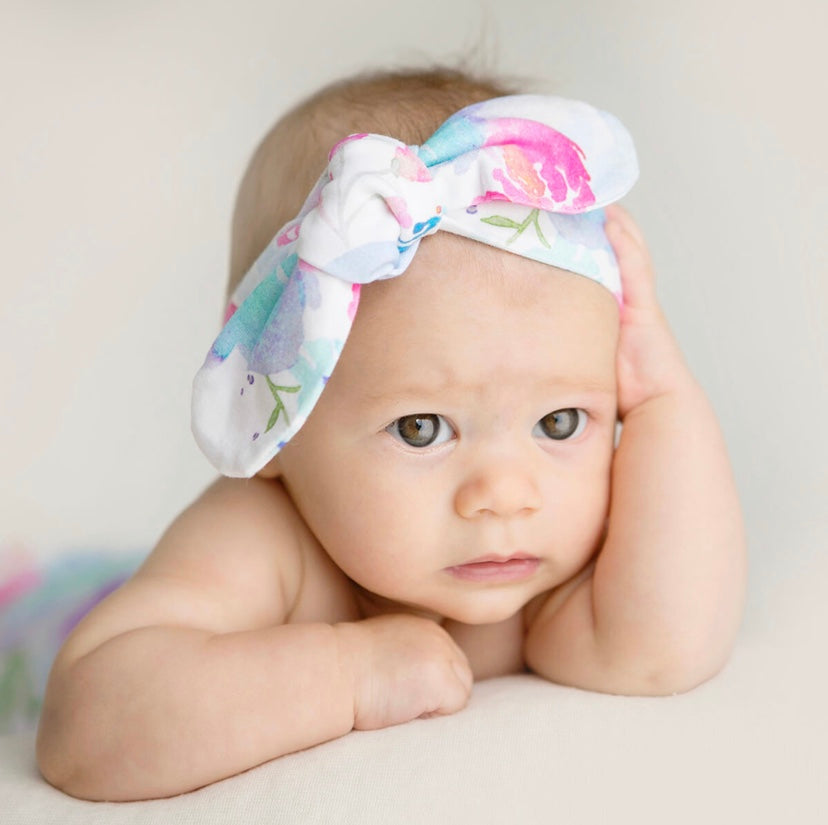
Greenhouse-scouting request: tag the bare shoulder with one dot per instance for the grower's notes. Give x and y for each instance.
(231, 561)
(241, 536)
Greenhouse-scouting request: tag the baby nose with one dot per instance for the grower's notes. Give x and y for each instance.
(504, 491)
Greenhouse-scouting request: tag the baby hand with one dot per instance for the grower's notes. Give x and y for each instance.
(404, 667)
(649, 362)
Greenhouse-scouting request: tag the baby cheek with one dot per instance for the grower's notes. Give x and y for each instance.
(583, 535)
(599, 497)
(585, 506)
(369, 547)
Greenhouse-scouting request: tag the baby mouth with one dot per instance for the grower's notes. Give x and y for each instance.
(494, 568)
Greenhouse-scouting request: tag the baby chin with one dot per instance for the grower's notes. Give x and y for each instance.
(476, 599)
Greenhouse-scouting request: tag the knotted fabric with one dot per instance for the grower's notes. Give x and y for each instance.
(527, 173)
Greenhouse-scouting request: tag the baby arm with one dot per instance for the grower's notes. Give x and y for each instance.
(658, 611)
(192, 671)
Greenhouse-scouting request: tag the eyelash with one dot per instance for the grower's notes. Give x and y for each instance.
(434, 429)
(541, 431)
(422, 422)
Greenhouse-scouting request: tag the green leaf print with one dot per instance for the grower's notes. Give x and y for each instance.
(499, 220)
(275, 389)
(530, 220)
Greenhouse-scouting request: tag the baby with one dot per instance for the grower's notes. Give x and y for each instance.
(420, 380)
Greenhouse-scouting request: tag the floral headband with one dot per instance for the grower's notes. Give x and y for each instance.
(526, 173)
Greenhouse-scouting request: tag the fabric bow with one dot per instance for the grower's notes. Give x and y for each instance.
(526, 173)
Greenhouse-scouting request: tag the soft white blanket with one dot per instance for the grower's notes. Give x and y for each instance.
(747, 747)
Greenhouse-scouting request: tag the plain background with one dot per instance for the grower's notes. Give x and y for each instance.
(126, 127)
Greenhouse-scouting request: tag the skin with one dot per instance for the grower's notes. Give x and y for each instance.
(492, 364)
(324, 595)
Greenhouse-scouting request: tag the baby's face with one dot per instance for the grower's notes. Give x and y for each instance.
(458, 460)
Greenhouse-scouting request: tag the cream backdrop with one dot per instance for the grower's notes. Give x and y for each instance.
(125, 130)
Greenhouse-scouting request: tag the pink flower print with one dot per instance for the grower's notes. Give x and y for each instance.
(407, 165)
(522, 172)
(355, 136)
(230, 311)
(399, 209)
(563, 169)
(535, 157)
(352, 307)
(288, 235)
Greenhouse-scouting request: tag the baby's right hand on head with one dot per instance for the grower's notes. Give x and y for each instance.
(403, 667)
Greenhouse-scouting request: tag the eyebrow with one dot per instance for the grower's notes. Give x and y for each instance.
(419, 390)
(443, 384)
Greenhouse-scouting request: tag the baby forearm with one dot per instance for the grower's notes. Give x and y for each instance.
(668, 586)
(161, 710)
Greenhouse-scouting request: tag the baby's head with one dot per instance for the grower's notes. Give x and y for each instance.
(409, 106)
(458, 459)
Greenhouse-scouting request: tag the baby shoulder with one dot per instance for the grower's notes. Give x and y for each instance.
(232, 561)
(240, 540)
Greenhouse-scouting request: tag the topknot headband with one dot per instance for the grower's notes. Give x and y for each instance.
(526, 173)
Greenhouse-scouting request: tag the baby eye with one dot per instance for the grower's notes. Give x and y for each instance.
(561, 424)
(421, 430)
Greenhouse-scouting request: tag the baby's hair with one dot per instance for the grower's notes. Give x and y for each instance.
(408, 105)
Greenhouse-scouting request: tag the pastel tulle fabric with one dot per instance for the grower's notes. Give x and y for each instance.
(43, 595)
(525, 173)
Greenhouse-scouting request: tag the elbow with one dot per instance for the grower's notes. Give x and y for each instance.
(51, 752)
(56, 770)
(61, 759)
(672, 681)
(68, 757)
(678, 671)
(55, 761)
(68, 768)
(674, 659)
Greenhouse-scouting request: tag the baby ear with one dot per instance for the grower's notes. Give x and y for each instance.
(270, 470)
